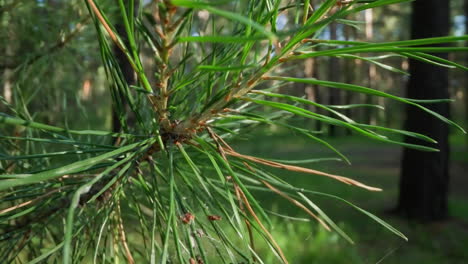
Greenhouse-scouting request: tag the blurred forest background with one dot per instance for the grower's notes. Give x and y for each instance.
(50, 62)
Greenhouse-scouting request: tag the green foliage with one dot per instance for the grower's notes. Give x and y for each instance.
(167, 186)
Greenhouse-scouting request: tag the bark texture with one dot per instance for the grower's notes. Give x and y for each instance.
(425, 175)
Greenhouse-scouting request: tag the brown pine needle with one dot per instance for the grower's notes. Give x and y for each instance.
(252, 212)
(155, 103)
(123, 237)
(224, 142)
(215, 139)
(247, 223)
(9, 209)
(297, 203)
(301, 169)
(106, 26)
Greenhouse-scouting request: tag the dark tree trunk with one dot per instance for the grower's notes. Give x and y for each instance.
(310, 90)
(127, 72)
(466, 75)
(371, 68)
(318, 93)
(425, 175)
(334, 76)
(349, 75)
(124, 65)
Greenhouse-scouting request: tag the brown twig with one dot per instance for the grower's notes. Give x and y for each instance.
(240, 89)
(165, 32)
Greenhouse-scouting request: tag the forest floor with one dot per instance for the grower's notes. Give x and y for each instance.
(377, 165)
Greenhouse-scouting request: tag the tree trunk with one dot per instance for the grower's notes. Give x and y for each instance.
(349, 75)
(466, 74)
(310, 90)
(371, 68)
(334, 76)
(318, 94)
(425, 175)
(125, 67)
